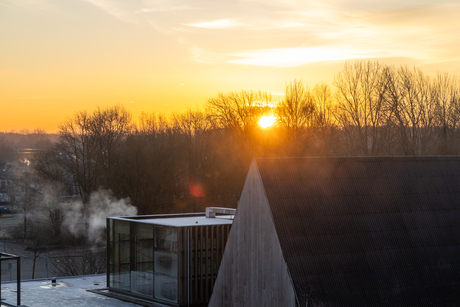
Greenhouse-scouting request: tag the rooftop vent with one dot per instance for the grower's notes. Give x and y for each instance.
(228, 213)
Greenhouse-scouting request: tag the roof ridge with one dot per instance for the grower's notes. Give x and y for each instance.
(365, 158)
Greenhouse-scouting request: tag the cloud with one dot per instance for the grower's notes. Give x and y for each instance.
(216, 24)
(164, 9)
(291, 32)
(293, 25)
(41, 6)
(282, 57)
(203, 56)
(295, 32)
(289, 57)
(120, 9)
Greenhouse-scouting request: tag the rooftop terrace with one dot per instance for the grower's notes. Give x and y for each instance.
(78, 291)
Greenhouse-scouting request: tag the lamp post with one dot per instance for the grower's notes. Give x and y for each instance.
(46, 265)
(4, 243)
(10, 267)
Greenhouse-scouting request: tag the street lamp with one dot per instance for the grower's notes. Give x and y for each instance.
(46, 265)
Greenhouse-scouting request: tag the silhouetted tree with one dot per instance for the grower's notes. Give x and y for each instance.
(81, 261)
(89, 142)
(198, 158)
(447, 112)
(239, 111)
(411, 100)
(296, 117)
(24, 191)
(36, 241)
(79, 150)
(109, 127)
(148, 166)
(361, 103)
(53, 202)
(326, 136)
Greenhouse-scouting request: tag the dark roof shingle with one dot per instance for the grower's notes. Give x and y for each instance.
(380, 231)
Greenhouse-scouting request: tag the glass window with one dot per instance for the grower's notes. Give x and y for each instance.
(165, 288)
(166, 239)
(142, 276)
(120, 256)
(165, 267)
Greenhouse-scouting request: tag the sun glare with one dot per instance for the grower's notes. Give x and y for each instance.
(267, 121)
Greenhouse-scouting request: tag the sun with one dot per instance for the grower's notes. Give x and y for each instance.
(267, 121)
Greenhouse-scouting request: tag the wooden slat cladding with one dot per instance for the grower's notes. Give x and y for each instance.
(200, 265)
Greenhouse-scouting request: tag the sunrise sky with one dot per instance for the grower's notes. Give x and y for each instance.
(163, 56)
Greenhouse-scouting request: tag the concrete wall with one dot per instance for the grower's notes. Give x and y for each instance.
(253, 271)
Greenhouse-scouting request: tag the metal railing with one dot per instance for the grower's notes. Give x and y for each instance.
(8, 257)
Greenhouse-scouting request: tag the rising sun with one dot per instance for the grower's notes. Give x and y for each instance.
(267, 121)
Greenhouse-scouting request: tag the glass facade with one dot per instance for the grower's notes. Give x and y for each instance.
(174, 265)
(142, 273)
(119, 264)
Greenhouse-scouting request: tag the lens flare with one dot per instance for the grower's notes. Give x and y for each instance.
(196, 189)
(267, 121)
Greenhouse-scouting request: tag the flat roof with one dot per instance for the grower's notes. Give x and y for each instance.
(68, 291)
(189, 221)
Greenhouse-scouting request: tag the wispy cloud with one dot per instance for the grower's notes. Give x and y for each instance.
(164, 9)
(293, 25)
(216, 24)
(122, 10)
(204, 56)
(41, 6)
(298, 56)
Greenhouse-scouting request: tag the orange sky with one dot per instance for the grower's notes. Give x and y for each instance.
(163, 56)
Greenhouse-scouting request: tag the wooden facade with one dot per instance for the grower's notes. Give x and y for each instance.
(345, 231)
(253, 271)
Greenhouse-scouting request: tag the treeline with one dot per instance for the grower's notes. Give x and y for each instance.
(24, 139)
(200, 158)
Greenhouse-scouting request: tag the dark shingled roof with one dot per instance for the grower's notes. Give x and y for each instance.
(368, 231)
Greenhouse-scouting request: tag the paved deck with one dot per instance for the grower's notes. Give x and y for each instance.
(68, 292)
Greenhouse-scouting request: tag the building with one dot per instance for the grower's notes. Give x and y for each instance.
(345, 232)
(172, 259)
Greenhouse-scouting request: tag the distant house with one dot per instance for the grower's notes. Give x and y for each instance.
(6, 175)
(345, 232)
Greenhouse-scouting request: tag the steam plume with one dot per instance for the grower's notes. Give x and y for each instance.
(90, 219)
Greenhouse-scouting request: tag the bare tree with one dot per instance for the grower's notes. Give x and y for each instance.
(322, 96)
(235, 137)
(296, 115)
(89, 142)
(36, 241)
(410, 97)
(195, 129)
(149, 123)
(325, 132)
(148, 166)
(54, 202)
(447, 112)
(239, 111)
(79, 149)
(23, 191)
(361, 103)
(109, 126)
(82, 261)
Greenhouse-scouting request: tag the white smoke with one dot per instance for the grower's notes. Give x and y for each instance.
(90, 219)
